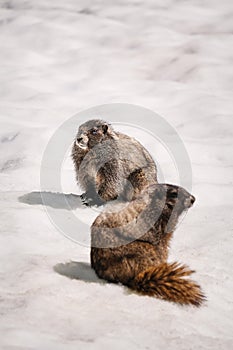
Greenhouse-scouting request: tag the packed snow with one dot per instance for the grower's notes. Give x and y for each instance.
(62, 58)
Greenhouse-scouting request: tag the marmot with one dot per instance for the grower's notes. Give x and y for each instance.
(131, 246)
(110, 164)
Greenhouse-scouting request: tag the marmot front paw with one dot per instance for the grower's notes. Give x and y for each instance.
(90, 200)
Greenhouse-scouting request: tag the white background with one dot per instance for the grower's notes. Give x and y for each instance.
(58, 58)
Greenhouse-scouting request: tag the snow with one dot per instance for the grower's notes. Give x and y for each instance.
(60, 58)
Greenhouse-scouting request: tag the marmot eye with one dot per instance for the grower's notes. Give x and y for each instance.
(173, 194)
(94, 131)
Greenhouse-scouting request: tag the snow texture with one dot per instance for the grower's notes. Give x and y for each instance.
(59, 58)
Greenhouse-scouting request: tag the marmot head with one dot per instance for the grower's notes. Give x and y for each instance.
(93, 132)
(173, 200)
(179, 196)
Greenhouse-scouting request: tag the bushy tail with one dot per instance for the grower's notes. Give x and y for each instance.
(166, 281)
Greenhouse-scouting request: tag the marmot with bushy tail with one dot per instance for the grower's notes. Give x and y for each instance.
(130, 238)
(130, 245)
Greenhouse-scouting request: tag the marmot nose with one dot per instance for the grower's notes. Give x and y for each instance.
(192, 199)
(79, 139)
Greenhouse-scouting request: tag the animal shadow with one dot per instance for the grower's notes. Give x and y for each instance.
(79, 271)
(83, 272)
(52, 199)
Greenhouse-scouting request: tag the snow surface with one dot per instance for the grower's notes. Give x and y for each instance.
(62, 57)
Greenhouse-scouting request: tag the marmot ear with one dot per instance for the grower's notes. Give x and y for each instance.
(105, 128)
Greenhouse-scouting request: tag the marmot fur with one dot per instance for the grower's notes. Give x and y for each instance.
(131, 246)
(109, 164)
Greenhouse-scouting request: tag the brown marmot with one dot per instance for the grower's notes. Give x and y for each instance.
(110, 164)
(130, 245)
